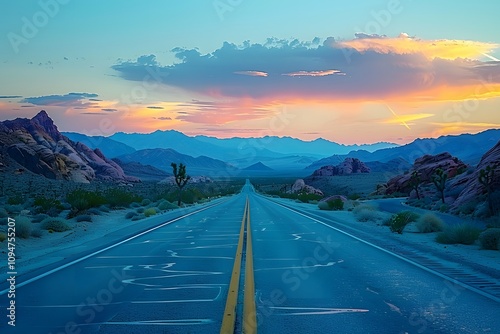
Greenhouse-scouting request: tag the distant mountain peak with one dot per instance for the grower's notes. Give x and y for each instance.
(43, 120)
(258, 166)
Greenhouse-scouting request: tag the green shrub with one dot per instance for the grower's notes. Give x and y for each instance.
(23, 227)
(429, 223)
(82, 200)
(36, 233)
(121, 198)
(490, 239)
(398, 222)
(83, 218)
(150, 212)
(166, 205)
(459, 234)
(3, 236)
(104, 208)
(15, 200)
(354, 197)
(140, 210)
(134, 205)
(333, 204)
(44, 204)
(365, 212)
(55, 224)
(138, 217)
(145, 202)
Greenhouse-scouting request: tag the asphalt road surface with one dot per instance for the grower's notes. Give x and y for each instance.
(309, 278)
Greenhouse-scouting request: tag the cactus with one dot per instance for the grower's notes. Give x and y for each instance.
(415, 182)
(439, 179)
(181, 178)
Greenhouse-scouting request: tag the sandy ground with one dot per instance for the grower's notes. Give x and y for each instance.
(35, 253)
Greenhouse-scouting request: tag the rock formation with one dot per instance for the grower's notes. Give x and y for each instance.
(37, 145)
(348, 166)
(426, 167)
(301, 187)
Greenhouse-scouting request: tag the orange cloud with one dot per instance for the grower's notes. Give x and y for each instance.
(445, 49)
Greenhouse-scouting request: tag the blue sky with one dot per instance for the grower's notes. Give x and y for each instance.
(79, 49)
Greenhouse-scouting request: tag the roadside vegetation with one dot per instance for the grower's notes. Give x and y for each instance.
(42, 205)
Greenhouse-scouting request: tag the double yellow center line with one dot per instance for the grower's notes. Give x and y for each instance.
(249, 312)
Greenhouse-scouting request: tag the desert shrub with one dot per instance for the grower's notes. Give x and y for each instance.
(121, 198)
(3, 236)
(15, 200)
(354, 197)
(82, 200)
(23, 227)
(3, 213)
(4, 221)
(131, 214)
(365, 212)
(44, 204)
(94, 211)
(39, 217)
(150, 212)
(134, 205)
(140, 210)
(166, 205)
(145, 202)
(334, 204)
(459, 234)
(398, 222)
(55, 224)
(83, 218)
(14, 208)
(490, 238)
(467, 208)
(429, 223)
(443, 207)
(36, 233)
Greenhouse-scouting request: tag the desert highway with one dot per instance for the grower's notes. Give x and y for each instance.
(205, 273)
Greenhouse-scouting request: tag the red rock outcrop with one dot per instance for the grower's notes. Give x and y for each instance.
(473, 189)
(426, 166)
(301, 187)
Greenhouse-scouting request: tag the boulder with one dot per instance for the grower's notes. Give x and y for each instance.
(301, 187)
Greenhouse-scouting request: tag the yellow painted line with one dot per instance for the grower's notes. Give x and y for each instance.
(229, 318)
(249, 311)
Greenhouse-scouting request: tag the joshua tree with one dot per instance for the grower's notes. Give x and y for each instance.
(439, 179)
(486, 179)
(415, 182)
(181, 178)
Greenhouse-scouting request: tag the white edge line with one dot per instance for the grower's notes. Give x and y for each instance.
(31, 280)
(464, 285)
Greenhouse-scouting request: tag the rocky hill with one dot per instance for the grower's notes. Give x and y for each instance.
(348, 166)
(37, 145)
(473, 190)
(426, 166)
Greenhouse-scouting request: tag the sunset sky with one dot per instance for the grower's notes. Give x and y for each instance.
(347, 71)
